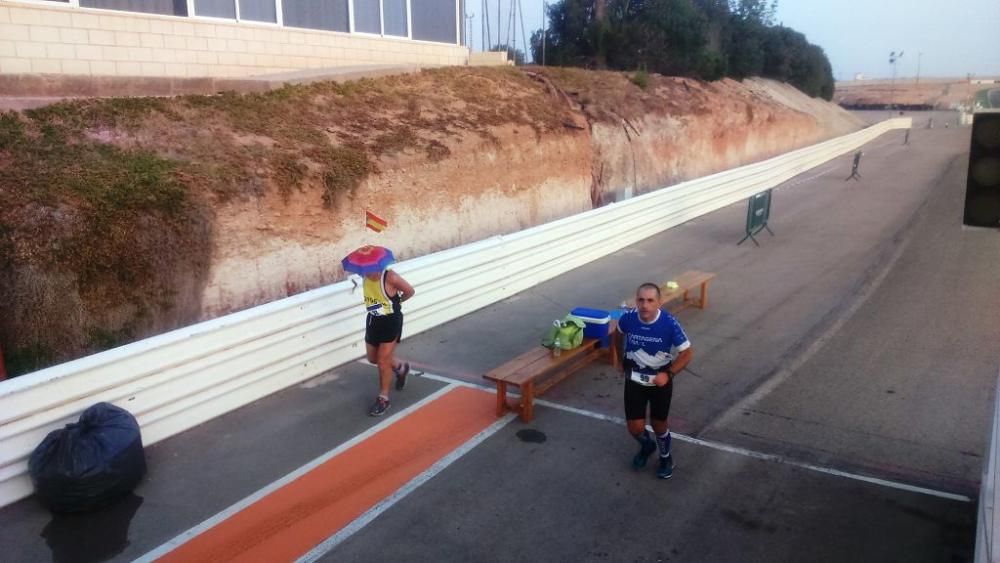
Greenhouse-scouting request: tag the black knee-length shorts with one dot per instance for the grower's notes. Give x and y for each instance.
(383, 329)
(638, 397)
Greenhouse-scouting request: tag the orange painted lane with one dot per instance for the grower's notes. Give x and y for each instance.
(287, 523)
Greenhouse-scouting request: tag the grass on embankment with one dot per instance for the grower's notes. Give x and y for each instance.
(106, 205)
(115, 220)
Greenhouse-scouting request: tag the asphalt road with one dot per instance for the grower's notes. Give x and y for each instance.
(859, 341)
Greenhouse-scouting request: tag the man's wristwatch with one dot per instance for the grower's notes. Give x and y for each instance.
(670, 374)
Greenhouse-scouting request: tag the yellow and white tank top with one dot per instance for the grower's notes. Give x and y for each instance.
(377, 301)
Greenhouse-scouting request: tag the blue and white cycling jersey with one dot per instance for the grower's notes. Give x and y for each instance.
(651, 346)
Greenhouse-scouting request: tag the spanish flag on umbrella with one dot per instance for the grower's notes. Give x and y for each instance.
(374, 222)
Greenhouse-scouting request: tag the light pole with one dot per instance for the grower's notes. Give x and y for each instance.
(544, 16)
(468, 30)
(893, 59)
(919, 56)
(513, 22)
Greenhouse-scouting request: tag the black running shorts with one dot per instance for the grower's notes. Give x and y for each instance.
(384, 329)
(637, 397)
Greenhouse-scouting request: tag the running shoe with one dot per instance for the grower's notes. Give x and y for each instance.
(666, 469)
(381, 405)
(401, 373)
(647, 449)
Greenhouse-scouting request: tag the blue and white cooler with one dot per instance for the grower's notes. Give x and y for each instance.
(596, 323)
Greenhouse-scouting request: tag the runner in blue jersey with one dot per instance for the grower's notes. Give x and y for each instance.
(656, 350)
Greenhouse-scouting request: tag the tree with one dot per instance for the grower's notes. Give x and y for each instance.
(758, 11)
(570, 38)
(717, 15)
(788, 56)
(744, 48)
(676, 36)
(601, 30)
(666, 36)
(707, 39)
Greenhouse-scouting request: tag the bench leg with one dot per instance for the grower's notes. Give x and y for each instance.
(614, 353)
(528, 402)
(685, 300)
(704, 295)
(501, 398)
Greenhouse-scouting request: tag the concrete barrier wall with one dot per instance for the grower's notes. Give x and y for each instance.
(38, 38)
(183, 378)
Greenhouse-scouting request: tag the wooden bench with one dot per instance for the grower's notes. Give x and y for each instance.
(536, 371)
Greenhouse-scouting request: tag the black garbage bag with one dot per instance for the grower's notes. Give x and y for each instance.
(90, 463)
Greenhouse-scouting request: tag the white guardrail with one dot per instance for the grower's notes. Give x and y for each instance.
(987, 527)
(183, 378)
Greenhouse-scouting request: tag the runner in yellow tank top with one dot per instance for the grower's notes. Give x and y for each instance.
(377, 303)
(384, 292)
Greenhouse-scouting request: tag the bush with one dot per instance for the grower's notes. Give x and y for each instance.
(641, 79)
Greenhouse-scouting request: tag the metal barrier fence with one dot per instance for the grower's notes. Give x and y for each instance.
(183, 378)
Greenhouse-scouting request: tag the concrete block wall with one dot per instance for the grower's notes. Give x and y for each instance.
(490, 58)
(39, 38)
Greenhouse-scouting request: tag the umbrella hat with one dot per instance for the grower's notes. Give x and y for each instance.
(368, 259)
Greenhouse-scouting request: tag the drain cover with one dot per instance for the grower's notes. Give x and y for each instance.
(533, 436)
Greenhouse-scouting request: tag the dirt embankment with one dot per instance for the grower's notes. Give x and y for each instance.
(123, 218)
(929, 93)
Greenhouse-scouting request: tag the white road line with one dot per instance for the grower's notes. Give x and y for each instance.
(270, 488)
(785, 372)
(442, 378)
(387, 503)
(792, 183)
(769, 457)
(733, 449)
(829, 168)
(445, 379)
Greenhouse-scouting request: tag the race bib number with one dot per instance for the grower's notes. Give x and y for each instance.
(647, 379)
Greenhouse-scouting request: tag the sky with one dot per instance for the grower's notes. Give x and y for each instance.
(955, 38)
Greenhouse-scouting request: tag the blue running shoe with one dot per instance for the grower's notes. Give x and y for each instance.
(640, 459)
(666, 469)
